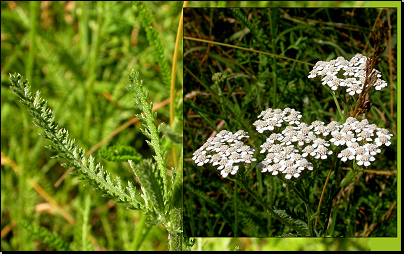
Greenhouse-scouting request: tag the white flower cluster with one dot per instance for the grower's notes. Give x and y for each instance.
(275, 118)
(288, 149)
(354, 70)
(292, 150)
(225, 150)
(361, 139)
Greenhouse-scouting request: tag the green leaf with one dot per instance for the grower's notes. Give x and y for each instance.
(299, 225)
(170, 134)
(147, 175)
(120, 153)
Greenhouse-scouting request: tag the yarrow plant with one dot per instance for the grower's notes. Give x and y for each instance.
(225, 151)
(293, 149)
(160, 198)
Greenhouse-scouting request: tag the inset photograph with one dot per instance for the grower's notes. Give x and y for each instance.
(290, 122)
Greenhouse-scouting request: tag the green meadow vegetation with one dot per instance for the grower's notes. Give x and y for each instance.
(99, 66)
(239, 62)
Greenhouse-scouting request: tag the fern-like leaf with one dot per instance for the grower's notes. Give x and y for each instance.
(150, 128)
(65, 146)
(50, 238)
(152, 36)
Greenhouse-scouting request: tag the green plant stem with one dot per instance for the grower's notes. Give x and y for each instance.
(235, 209)
(83, 27)
(32, 36)
(338, 107)
(309, 213)
(139, 233)
(268, 209)
(246, 49)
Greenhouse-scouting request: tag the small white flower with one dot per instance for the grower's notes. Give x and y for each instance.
(322, 152)
(315, 124)
(222, 134)
(287, 140)
(270, 157)
(350, 121)
(384, 132)
(303, 163)
(197, 153)
(372, 149)
(355, 88)
(222, 163)
(241, 134)
(273, 137)
(291, 171)
(275, 149)
(336, 138)
(279, 158)
(348, 138)
(234, 158)
(274, 168)
(215, 159)
(383, 140)
(260, 125)
(308, 150)
(202, 159)
(347, 154)
(334, 83)
(248, 158)
(229, 169)
(354, 145)
(365, 160)
(350, 71)
(321, 130)
(319, 142)
(359, 152)
(300, 139)
(365, 136)
(313, 73)
(264, 165)
(265, 147)
(222, 149)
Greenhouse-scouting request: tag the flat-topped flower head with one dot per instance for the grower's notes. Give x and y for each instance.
(339, 73)
(225, 151)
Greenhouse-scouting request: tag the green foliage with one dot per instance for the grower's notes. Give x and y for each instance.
(152, 177)
(52, 239)
(66, 147)
(120, 153)
(150, 129)
(78, 54)
(147, 18)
